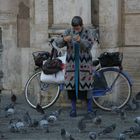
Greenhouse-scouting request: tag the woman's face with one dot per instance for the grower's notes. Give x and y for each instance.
(77, 28)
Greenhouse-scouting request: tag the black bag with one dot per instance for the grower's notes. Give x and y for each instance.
(109, 59)
(52, 66)
(100, 82)
(39, 57)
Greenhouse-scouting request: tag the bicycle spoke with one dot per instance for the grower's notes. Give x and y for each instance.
(119, 90)
(38, 92)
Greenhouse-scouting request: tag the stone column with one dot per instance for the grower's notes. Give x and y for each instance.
(41, 21)
(64, 10)
(10, 58)
(109, 23)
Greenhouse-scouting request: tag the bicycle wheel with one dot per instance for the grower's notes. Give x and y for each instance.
(37, 92)
(120, 92)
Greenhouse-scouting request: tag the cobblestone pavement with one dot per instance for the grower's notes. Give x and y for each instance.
(64, 121)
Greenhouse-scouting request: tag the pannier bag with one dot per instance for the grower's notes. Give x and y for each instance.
(52, 66)
(110, 59)
(39, 57)
(58, 77)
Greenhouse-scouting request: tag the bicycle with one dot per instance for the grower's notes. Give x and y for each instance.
(115, 88)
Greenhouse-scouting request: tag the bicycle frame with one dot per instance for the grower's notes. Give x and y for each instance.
(103, 92)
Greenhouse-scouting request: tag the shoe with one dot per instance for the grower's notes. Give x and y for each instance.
(73, 113)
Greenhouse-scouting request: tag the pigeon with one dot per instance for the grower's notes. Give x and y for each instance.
(133, 105)
(137, 96)
(66, 135)
(132, 130)
(9, 110)
(97, 120)
(35, 123)
(137, 120)
(20, 126)
(2, 136)
(56, 113)
(88, 118)
(71, 138)
(135, 131)
(122, 115)
(13, 98)
(9, 106)
(52, 119)
(120, 112)
(81, 125)
(121, 137)
(127, 131)
(12, 126)
(40, 109)
(44, 125)
(115, 109)
(107, 130)
(16, 126)
(92, 135)
(27, 118)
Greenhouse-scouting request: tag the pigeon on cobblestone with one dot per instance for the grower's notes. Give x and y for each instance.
(137, 120)
(27, 119)
(52, 119)
(17, 126)
(43, 123)
(11, 105)
(54, 116)
(9, 110)
(92, 135)
(81, 125)
(35, 123)
(135, 131)
(132, 131)
(56, 113)
(120, 112)
(97, 120)
(66, 135)
(20, 126)
(107, 130)
(121, 137)
(133, 105)
(13, 97)
(12, 126)
(40, 109)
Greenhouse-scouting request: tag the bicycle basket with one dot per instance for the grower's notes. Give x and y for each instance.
(110, 59)
(52, 66)
(39, 57)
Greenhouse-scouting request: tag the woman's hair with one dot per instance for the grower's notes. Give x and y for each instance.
(77, 21)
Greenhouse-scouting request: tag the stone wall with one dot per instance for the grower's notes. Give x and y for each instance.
(131, 16)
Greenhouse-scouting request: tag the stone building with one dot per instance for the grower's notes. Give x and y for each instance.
(26, 25)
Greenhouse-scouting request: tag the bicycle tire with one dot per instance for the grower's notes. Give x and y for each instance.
(34, 92)
(122, 89)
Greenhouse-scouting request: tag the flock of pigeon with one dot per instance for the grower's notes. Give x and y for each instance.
(21, 125)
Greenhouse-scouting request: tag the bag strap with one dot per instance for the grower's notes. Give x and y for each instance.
(54, 53)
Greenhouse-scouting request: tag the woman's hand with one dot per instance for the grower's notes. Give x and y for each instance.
(77, 38)
(67, 38)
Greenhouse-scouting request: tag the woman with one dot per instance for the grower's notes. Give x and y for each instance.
(78, 76)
